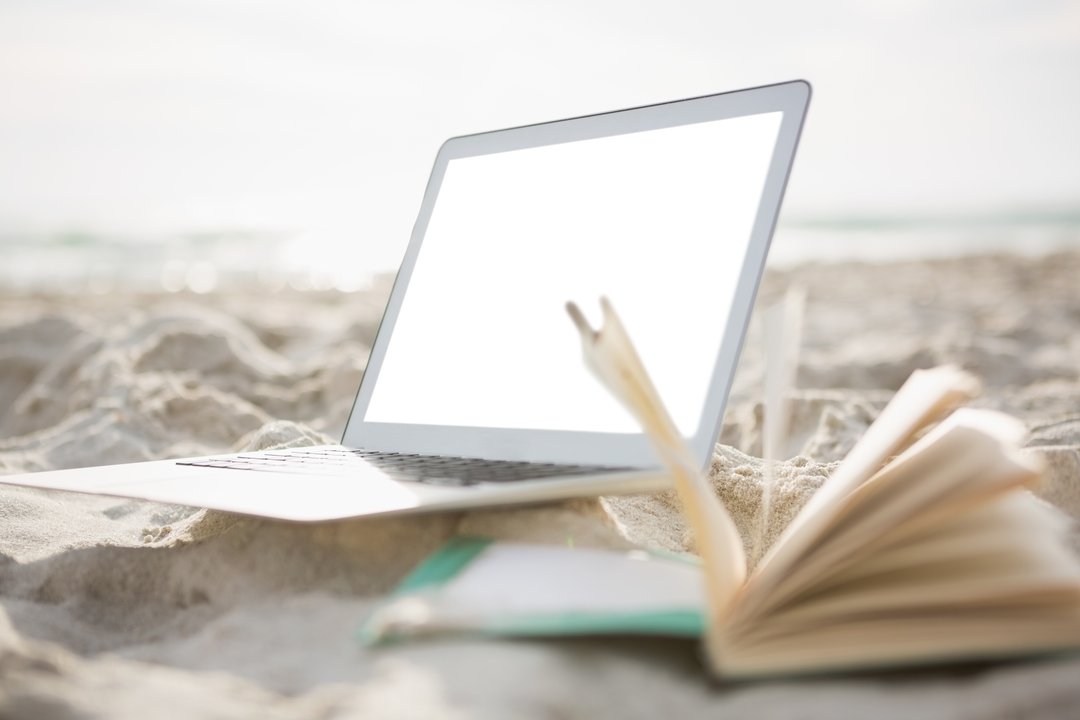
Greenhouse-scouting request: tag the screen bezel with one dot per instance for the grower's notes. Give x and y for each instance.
(633, 450)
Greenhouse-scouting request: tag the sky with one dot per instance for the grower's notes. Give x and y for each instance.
(160, 116)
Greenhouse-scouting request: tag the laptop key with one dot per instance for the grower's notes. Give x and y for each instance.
(404, 467)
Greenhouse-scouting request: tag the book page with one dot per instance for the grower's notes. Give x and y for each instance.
(965, 461)
(970, 633)
(610, 355)
(1007, 551)
(513, 578)
(992, 583)
(923, 399)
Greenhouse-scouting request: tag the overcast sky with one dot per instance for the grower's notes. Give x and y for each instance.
(159, 116)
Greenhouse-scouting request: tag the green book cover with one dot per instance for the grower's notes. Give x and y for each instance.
(482, 587)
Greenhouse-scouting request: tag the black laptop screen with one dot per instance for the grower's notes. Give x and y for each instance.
(658, 221)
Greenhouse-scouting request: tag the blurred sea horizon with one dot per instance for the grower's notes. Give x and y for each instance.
(271, 261)
(197, 147)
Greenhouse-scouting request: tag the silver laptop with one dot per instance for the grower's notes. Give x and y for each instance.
(476, 393)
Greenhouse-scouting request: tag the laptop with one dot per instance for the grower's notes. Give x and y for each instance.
(475, 393)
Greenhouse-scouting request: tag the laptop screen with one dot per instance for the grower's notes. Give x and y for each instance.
(659, 221)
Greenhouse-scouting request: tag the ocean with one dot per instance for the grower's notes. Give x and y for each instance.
(74, 263)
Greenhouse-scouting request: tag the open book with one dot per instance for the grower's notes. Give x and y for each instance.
(921, 547)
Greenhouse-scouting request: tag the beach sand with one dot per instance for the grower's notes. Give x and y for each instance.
(123, 609)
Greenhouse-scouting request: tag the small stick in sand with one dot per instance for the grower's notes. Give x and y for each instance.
(781, 326)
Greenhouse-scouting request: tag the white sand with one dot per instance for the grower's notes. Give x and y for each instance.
(114, 608)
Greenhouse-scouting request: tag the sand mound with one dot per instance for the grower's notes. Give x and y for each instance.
(116, 608)
(169, 383)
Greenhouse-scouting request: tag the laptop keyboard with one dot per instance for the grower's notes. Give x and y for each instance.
(432, 469)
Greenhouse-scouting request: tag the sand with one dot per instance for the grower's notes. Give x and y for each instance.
(114, 608)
